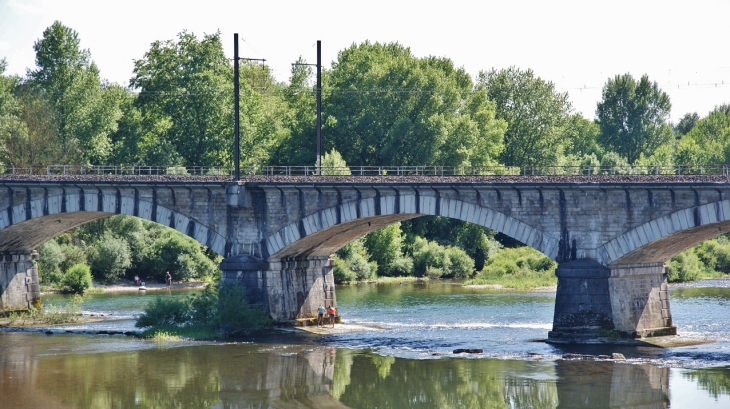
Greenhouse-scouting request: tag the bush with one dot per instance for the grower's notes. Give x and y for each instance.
(109, 258)
(462, 266)
(401, 267)
(521, 267)
(77, 278)
(437, 261)
(49, 264)
(165, 311)
(685, 266)
(342, 272)
(351, 263)
(214, 309)
(72, 255)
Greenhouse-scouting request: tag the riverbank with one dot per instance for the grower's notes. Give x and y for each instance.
(122, 287)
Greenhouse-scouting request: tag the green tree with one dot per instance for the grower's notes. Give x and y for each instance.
(86, 110)
(384, 106)
(77, 278)
(708, 142)
(537, 116)
(688, 121)
(384, 246)
(299, 145)
(109, 258)
(633, 117)
(185, 88)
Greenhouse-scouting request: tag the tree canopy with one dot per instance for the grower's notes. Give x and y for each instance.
(381, 102)
(633, 117)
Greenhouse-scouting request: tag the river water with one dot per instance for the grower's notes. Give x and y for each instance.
(405, 361)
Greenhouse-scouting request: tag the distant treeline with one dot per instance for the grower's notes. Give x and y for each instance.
(381, 106)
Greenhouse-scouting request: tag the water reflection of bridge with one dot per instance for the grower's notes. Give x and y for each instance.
(35, 373)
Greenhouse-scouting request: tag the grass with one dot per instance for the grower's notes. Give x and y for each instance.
(51, 315)
(519, 281)
(173, 333)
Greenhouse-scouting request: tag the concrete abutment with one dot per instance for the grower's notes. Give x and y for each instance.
(596, 303)
(19, 287)
(287, 289)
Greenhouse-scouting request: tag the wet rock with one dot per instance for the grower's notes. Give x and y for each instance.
(617, 356)
(468, 351)
(585, 357)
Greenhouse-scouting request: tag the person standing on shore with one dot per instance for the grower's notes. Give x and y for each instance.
(320, 316)
(168, 280)
(136, 280)
(332, 312)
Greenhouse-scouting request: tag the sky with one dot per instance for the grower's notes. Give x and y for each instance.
(576, 44)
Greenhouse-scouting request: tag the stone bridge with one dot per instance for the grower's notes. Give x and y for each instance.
(610, 235)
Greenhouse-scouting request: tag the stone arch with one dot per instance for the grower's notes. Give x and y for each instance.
(660, 239)
(323, 232)
(29, 224)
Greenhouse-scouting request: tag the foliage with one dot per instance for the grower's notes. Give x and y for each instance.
(384, 247)
(351, 263)
(214, 309)
(537, 116)
(521, 267)
(685, 266)
(381, 102)
(633, 117)
(686, 124)
(478, 242)
(337, 166)
(708, 142)
(77, 278)
(437, 261)
(50, 258)
(85, 109)
(109, 258)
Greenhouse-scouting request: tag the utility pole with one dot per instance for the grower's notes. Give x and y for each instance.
(319, 105)
(236, 112)
(236, 108)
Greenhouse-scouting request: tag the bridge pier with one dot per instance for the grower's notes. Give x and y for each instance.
(19, 288)
(287, 289)
(595, 303)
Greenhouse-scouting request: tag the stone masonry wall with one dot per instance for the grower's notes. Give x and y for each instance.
(19, 287)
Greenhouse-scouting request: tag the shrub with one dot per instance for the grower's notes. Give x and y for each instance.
(72, 255)
(109, 258)
(165, 311)
(462, 265)
(342, 272)
(51, 257)
(401, 267)
(214, 309)
(521, 267)
(685, 266)
(351, 263)
(77, 278)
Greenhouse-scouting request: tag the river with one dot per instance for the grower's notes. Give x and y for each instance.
(404, 361)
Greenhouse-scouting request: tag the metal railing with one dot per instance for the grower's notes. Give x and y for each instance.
(586, 171)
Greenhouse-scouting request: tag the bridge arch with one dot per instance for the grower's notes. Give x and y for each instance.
(30, 223)
(324, 232)
(660, 239)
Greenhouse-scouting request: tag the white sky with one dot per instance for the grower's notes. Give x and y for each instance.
(576, 44)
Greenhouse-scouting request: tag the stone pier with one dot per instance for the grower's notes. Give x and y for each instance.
(19, 289)
(287, 288)
(595, 303)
